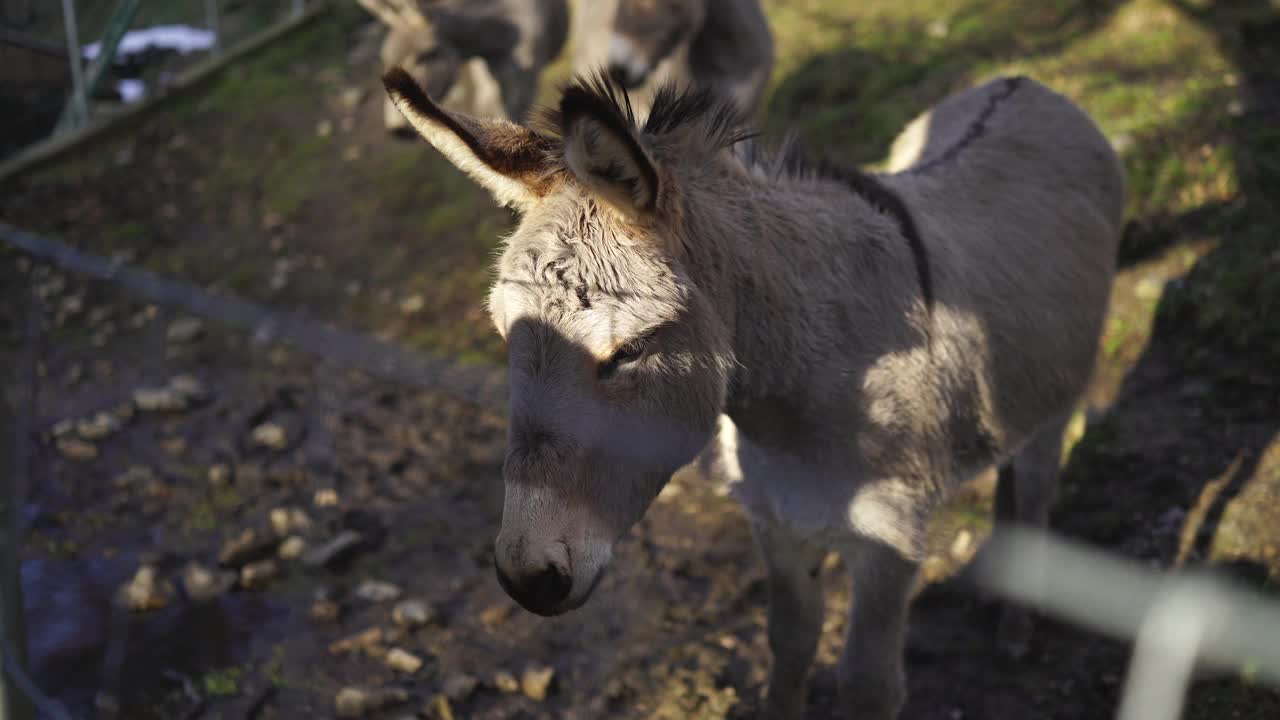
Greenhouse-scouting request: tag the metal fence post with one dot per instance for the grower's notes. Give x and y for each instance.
(78, 108)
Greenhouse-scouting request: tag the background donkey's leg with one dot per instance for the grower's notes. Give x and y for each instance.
(795, 616)
(871, 679)
(1025, 491)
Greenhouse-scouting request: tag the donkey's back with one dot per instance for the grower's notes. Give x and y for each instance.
(1019, 199)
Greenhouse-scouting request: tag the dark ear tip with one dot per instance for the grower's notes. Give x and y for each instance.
(397, 81)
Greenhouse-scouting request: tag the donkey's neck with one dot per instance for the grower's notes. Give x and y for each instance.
(814, 283)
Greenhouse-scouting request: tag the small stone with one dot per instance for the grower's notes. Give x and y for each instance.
(377, 591)
(72, 304)
(174, 446)
(495, 615)
(159, 400)
(536, 682)
(77, 450)
(412, 613)
(938, 29)
(203, 584)
(219, 475)
(146, 591)
(352, 153)
(289, 520)
(62, 428)
(324, 610)
(257, 574)
(412, 304)
(249, 546)
(98, 427)
(505, 682)
(364, 640)
(324, 128)
(342, 546)
(189, 387)
(270, 435)
(403, 660)
(124, 412)
(459, 686)
(355, 703)
(135, 476)
(185, 330)
(347, 124)
(351, 98)
(292, 548)
(272, 220)
(326, 497)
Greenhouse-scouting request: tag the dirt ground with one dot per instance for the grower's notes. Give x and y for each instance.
(276, 183)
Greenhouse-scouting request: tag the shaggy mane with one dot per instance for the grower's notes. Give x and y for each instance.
(723, 126)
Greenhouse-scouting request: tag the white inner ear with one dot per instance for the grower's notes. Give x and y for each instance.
(506, 191)
(598, 157)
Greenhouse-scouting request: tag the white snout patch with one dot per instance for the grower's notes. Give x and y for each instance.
(624, 54)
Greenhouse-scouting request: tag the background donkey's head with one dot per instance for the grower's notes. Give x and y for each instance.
(646, 32)
(619, 362)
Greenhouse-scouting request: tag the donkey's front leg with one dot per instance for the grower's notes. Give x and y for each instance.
(871, 680)
(795, 616)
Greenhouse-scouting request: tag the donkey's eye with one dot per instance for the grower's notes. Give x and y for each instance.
(624, 356)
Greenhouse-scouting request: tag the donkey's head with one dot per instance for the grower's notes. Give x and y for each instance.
(646, 32)
(619, 363)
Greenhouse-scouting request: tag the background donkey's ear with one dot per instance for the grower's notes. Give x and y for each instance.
(602, 149)
(508, 160)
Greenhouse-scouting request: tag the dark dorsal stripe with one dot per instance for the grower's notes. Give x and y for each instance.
(869, 188)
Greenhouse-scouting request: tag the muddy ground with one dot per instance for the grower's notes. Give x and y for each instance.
(275, 183)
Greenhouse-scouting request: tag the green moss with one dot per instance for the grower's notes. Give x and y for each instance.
(224, 682)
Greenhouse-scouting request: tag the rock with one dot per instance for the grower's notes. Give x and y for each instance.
(249, 546)
(62, 428)
(495, 615)
(159, 400)
(353, 702)
(378, 591)
(324, 128)
(174, 446)
(257, 574)
(459, 686)
(412, 304)
(536, 682)
(366, 640)
(351, 98)
(146, 591)
(412, 613)
(352, 153)
(135, 476)
(506, 682)
(185, 330)
(342, 546)
(438, 709)
(289, 520)
(189, 387)
(77, 450)
(99, 427)
(124, 412)
(326, 497)
(292, 548)
(203, 584)
(219, 475)
(324, 610)
(403, 660)
(270, 435)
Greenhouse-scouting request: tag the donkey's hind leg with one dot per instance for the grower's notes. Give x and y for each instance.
(1025, 491)
(871, 677)
(795, 616)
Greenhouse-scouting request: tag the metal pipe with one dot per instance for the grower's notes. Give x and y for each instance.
(79, 103)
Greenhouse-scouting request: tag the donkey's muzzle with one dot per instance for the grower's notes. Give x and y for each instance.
(627, 76)
(541, 593)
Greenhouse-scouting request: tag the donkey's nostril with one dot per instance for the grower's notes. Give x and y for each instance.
(540, 593)
(623, 76)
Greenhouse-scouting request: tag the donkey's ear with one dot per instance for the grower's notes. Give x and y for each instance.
(603, 151)
(507, 159)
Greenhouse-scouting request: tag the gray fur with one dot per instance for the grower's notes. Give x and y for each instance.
(788, 327)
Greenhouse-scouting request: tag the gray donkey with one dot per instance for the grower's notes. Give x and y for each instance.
(721, 44)
(483, 57)
(874, 341)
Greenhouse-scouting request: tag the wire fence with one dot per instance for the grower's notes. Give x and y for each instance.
(1177, 621)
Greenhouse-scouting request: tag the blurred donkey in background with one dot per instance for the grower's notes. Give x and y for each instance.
(481, 57)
